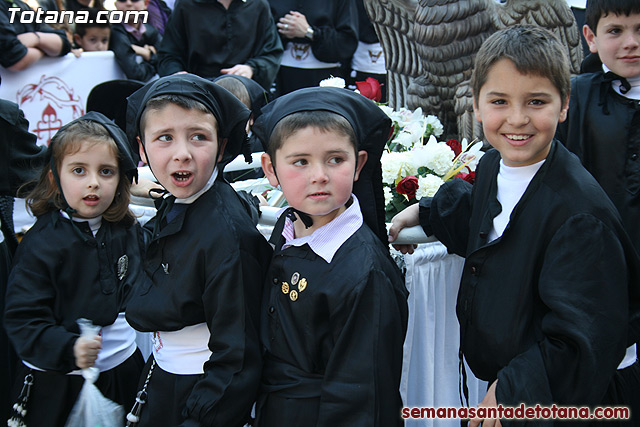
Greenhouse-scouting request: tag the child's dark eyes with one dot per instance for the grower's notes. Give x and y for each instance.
(78, 170)
(107, 172)
(537, 102)
(165, 138)
(200, 137)
(498, 102)
(332, 160)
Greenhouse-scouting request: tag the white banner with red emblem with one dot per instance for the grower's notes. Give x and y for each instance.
(54, 91)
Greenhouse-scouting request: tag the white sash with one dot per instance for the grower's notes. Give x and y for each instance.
(182, 352)
(299, 55)
(369, 58)
(118, 344)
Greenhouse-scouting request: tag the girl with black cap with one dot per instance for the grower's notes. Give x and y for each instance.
(80, 260)
(206, 260)
(334, 310)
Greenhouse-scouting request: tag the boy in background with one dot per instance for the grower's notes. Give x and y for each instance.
(548, 300)
(92, 36)
(135, 43)
(254, 97)
(603, 126)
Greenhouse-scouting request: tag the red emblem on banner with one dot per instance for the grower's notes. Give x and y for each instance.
(49, 125)
(57, 102)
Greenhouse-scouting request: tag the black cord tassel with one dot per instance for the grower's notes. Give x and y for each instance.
(133, 417)
(20, 407)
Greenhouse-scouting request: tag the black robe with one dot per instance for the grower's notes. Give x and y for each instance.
(608, 144)
(202, 37)
(549, 307)
(333, 351)
(206, 266)
(20, 155)
(56, 279)
(21, 159)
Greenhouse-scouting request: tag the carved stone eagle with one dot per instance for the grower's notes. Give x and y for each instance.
(430, 45)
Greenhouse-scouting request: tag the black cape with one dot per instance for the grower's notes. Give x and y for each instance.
(21, 157)
(603, 130)
(206, 265)
(59, 277)
(549, 307)
(334, 355)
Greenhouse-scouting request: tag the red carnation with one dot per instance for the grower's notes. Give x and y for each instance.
(370, 88)
(408, 186)
(455, 145)
(469, 177)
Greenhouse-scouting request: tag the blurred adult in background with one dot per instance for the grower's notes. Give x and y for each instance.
(210, 38)
(368, 60)
(318, 37)
(23, 44)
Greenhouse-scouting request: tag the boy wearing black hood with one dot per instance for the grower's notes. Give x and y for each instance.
(206, 260)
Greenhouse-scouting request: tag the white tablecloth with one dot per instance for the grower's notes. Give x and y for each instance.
(430, 365)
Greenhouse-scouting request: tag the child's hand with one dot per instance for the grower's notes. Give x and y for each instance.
(144, 52)
(86, 351)
(77, 52)
(407, 218)
(489, 401)
(239, 70)
(263, 201)
(143, 186)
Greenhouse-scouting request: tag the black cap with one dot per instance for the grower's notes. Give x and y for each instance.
(370, 125)
(127, 164)
(230, 113)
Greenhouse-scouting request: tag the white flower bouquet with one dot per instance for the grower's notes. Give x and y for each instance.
(411, 169)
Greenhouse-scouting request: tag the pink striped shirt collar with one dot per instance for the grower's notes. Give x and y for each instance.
(326, 240)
